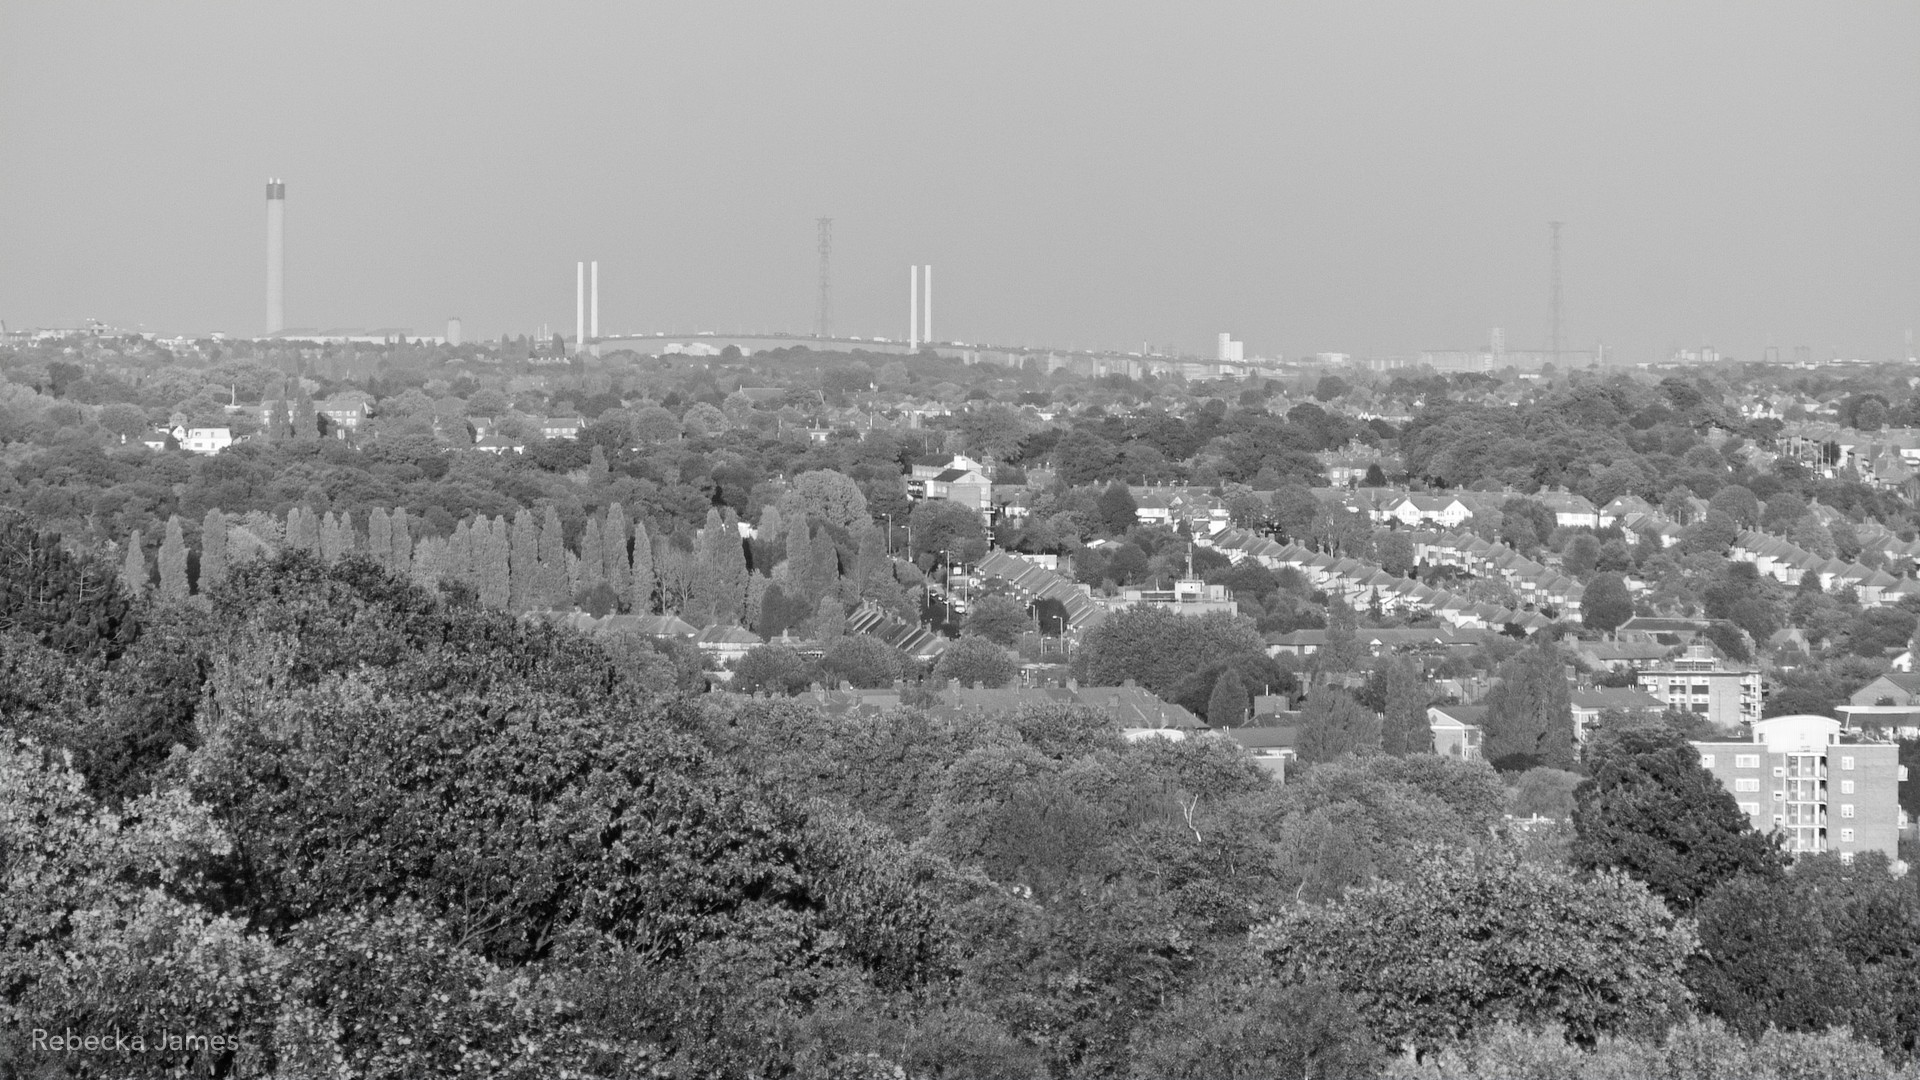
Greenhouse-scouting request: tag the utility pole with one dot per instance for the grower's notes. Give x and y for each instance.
(1554, 345)
(823, 318)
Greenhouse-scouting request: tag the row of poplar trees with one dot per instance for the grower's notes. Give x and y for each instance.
(522, 563)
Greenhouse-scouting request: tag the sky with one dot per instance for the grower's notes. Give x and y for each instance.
(1372, 177)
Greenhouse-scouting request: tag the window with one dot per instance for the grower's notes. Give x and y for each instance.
(1846, 858)
(1846, 835)
(1751, 809)
(1846, 787)
(1779, 770)
(1747, 783)
(1752, 761)
(1701, 707)
(1779, 796)
(1706, 761)
(1779, 819)
(1846, 763)
(1846, 810)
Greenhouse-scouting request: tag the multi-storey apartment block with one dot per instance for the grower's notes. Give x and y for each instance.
(1823, 787)
(1728, 695)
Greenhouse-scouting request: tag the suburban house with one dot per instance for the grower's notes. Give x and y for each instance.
(344, 412)
(1186, 597)
(193, 440)
(1589, 703)
(1890, 703)
(967, 487)
(1271, 747)
(961, 479)
(494, 444)
(559, 427)
(1457, 730)
(1441, 511)
(1571, 511)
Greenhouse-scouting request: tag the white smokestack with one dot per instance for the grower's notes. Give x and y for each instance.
(276, 256)
(594, 328)
(579, 304)
(926, 313)
(913, 309)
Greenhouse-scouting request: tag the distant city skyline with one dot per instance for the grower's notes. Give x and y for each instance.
(1376, 181)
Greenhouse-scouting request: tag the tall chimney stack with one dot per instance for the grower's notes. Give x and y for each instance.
(276, 256)
(579, 305)
(913, 308)
(926, 310)
(593, 324)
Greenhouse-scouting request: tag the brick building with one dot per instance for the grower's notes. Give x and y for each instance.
(1824, 788)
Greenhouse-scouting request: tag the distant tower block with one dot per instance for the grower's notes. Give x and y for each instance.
(926, 308)
(453, 331)
(593, 313)
(276, 256)
(823, 318)
(579, 305)
(913, 308)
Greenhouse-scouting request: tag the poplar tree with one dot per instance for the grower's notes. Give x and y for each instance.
(429, 562)
(492, 563)
(800, 561)
(715, 593)
(310, 531)
(873, 569)
(641, 584)
(524, 560)
(730, 565)
(1404, 728)
(333, 538)
(1227, 705)
(593, 558)
(133, 570)
(380, 537)
(306, 422)
(771, 525)
(823, 573)
(402, 535)
(552, 592)
(616, 530)
(1530, 711)
(173, 561)
(213, 549)
(460, 556)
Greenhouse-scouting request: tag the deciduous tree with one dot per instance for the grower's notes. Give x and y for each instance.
(1650, 809)
(1476, 938)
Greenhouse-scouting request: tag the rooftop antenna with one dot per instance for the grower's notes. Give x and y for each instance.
(823, 318)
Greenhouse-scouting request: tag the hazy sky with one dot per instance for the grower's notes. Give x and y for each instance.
(1367, 177)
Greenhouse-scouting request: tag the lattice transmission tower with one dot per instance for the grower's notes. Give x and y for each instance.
(823, 318)
(1553, 345)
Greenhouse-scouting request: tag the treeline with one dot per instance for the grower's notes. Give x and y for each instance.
(527, 563)
(355, 825)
